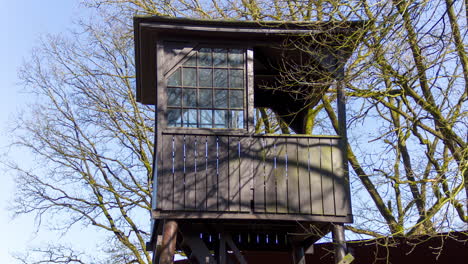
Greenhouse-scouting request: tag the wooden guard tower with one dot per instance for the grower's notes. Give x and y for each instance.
(218, 185)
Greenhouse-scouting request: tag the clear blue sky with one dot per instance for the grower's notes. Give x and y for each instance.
(22, 22)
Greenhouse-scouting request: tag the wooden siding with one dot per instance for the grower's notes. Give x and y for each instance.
(257, 174)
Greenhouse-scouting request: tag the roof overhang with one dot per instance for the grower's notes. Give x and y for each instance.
(265, 35)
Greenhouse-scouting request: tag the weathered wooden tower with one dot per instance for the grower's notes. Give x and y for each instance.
(217, 184)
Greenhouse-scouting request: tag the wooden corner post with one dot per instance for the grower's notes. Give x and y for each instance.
(338, 229)
(339, 242)
(169, 240)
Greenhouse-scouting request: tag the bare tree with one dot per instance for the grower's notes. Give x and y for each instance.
(92, 141)
(407, 84)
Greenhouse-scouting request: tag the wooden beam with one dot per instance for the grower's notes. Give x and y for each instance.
(198, 251)
(235, 250)
(249, 216)
(298, 255)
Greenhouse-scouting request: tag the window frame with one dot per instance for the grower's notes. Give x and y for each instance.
(162, 87)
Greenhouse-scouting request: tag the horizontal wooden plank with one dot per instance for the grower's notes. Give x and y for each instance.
(205, 131)
(293, 136)
(217, 216)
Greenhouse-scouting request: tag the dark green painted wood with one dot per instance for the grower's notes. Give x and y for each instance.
(327, 177)
(258, 167)
(234, 175)
(303, 175)
(179, 177)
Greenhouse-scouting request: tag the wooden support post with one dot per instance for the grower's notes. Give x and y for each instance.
(298, 255)
(222, 256)
(341, 105)
(168, 242)
(339, 242)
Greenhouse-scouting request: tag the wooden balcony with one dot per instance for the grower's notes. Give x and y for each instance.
(263, 177)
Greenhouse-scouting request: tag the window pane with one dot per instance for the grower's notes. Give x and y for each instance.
(236, 58)
(190, 98)
(221, 118)
(174, 79)
(237, 119)
(190, 118)
(236, 99)
(205, 99)
(236, 79)
(220, 98)
(206, 118)
(220, 78)
(190, 77)
(173, 118)
(220, 57)
(204, 57)
(205, 77)
(192, 61)
(174, 96)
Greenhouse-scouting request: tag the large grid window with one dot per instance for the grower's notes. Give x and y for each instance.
(207, 91)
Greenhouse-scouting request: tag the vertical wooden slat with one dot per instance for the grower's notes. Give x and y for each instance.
(179, 177)
(190, 173)
(223, 173)
(211, 174)
(315, 176)
(159, 180)
(327, 177)
(166, 188)
(303, 175)
(292, 175)
(258, 166)
(280, 176)
(234, 174)
(245, 174)
(270, 182)
(201, 174)
(340, 183)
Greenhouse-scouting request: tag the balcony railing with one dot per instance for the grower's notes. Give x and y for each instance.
(252, 175)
